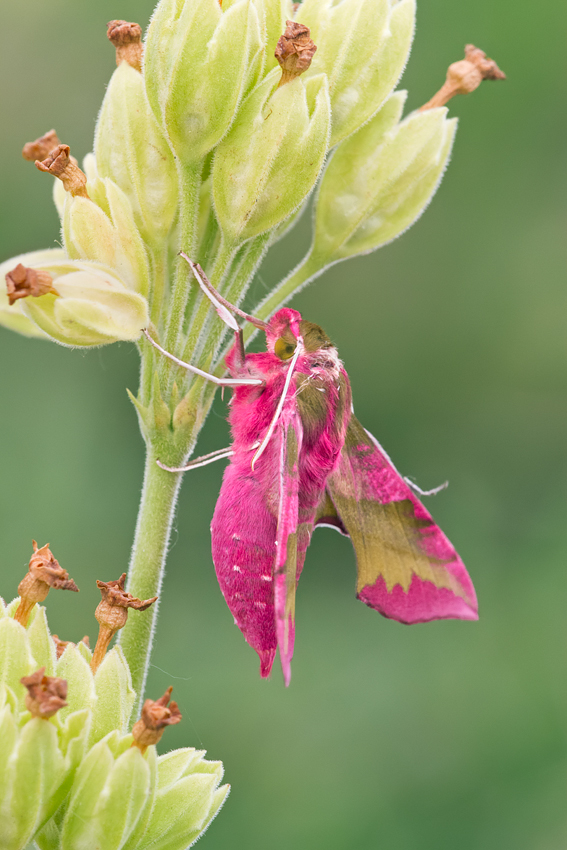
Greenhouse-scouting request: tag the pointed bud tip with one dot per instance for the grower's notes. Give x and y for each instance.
(294, 51)
(46, 694)
(22, 282)
(126, 37)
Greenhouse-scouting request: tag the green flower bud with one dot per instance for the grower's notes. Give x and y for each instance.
(273, 15)
(108, 797)
(103, 230)
(131, 150)
(197, 66)
(380, 180)
(363, 46)
(272, 156)
(114, 695)
(89, 304)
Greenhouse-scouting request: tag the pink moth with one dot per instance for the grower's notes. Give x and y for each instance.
(299, 459)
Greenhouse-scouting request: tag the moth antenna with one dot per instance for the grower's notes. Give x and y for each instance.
(421, 492)
(204, 460)
(279, 408)
(222, 306)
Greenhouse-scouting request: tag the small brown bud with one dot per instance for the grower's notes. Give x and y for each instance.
(44, 573)
(41, 147)
(46, 694)
(61, 645)
(112, 614)
(127, 39)
(156, 715)
(61, 164)
(294, 51)
(23, 281)
(465, 76)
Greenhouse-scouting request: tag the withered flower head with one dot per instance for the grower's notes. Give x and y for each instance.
(112, 614)
(41, 147)
(127, 39)
(61, 164)
(61, 645)
(46, 694)
(156, 715)
(23, 281)
(294, 51)
(44, 573)
(465, 76)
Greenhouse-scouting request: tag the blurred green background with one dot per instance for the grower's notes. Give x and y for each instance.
(447, 736)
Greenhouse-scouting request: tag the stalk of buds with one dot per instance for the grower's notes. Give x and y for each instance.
(112, 614)
(44, 573)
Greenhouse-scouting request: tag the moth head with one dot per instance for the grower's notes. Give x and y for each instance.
(283, 332)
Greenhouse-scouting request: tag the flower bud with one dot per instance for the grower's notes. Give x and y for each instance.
(380, 180)
(132, 151)
(465, 76)
(103, 230)
(363, 48)
(112, 614)
(272, 15)
(272, 156)
(43, 573)
(127, 39)
(46, 694)
(92, 307)
(156, 715)
(109, 794)
(13, 316)
(196, 68)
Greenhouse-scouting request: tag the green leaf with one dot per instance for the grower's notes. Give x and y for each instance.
(80, 681)
(181, 809)
(122, 800)
(79, 829)
(16, 659)
(173, 765)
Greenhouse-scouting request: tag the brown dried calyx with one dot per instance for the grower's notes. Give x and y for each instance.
(23, 281)
(61, 164)
(46, 694)
(40, 148)
(294, 51)
(112, 614)
(127, 39)
(44, 573)
(156, 715)
(465, 76)
(61, 645)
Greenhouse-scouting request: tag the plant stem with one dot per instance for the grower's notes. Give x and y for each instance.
(145, 574)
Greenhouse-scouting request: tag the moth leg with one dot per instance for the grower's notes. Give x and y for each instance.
(221, 305)
(204, 460)
(220, 382)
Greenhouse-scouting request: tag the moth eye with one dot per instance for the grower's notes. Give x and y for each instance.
(284, 350)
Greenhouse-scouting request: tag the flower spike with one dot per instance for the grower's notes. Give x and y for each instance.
(46, 694)
(156, 715)
(43, 574)
(112, 614)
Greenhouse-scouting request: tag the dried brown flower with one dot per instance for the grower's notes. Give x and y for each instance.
(465, 76)
(41, 147)
(127, 39)
(43, 574)
(61, 164)
(23, 281)
(46, 694)
(61, 645)
(112, 614)
(156, 715)
(294, 51)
